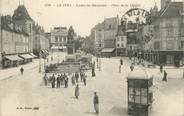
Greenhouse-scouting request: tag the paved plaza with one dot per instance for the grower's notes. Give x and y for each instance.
(27, 90)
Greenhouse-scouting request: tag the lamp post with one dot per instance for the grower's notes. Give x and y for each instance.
(40, 62)
(99, 64)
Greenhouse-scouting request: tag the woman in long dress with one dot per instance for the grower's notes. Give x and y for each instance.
(77, 91)
(96, 103)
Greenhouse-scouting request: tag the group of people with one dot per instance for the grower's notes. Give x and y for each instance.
(62, 79)
(56, 81)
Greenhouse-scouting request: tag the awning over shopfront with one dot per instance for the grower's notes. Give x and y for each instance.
(55, 47)
(13, 58)
(108, 50)
(45, 52)
(34, 56)
(26, 56)
(58, 47)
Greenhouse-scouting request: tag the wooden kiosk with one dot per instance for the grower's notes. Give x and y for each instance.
(140, 96)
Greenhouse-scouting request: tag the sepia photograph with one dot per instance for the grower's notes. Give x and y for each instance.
(91, 57)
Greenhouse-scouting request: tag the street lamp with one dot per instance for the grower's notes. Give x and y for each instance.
(40, 62)
(99, 64)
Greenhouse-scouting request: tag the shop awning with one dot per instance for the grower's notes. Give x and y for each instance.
(26, 56)
(54, 47)
(45, 52)
(107, 50)
(34, 56)
(13, 58)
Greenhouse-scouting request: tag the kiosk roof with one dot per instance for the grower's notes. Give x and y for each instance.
(139, 74)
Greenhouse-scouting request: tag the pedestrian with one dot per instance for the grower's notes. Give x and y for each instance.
(77, 91)
(165, 76)
(161, 68)
(121, 61)
(45, 79)
(58, 80)
(73, 79)
(84, 79)
(93, 71)
(53, 81)
(77, 77)
(66, 82)
(81, 76)
(120, 68)
(62, 79)
(132, 67)
(21, 70)
(96, 103)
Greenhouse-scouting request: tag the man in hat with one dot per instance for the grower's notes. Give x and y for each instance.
(96, 103)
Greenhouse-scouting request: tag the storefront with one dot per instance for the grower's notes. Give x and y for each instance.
(108, 52)
(121, 51)
(34, 56)
(27, 58)
(11, 61)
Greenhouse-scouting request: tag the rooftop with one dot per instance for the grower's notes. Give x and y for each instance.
(21, 13)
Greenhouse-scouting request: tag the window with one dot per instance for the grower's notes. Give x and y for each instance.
(182, 44)
(122, 45)
(64, 39)
(122, 39)
(118, 45)
(30, 27)
(170, 31)
(170, 45)
(156, 45)
(170, 59)
(117, 38)
(110, 27)
(60, 39)
(56, 39)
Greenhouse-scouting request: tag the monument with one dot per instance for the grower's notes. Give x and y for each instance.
(70, 42)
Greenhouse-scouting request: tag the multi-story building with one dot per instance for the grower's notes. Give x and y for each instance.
(14, 42)
(21, 17)
(110, 31)
(98, 31)
(59, 38)
(40, 41)
(168, 38)
(121, 41)
(104, 35)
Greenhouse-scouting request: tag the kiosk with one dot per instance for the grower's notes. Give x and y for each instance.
(140, 96)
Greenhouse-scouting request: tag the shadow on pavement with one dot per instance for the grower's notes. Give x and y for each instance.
(119, 111)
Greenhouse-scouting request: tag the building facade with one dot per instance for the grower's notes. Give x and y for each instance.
(166, 45)
(16, 38)
(22, 18)
(58, 38)
(15, 43)
(40, 41)
(104, 35)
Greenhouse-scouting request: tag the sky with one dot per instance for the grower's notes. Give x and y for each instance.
(82, 18)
